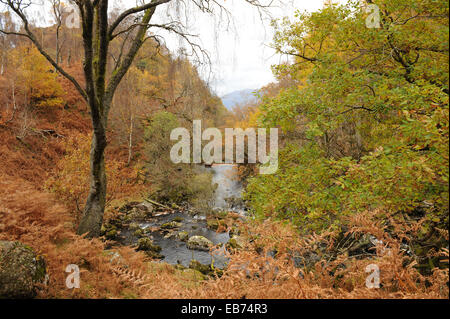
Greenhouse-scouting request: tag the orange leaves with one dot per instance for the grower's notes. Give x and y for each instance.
(264, 268)
(71, 179)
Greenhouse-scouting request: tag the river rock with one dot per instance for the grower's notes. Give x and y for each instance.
(170, 234)
(146, 244)
(134, 226)
(199, 243)
(214, 224)
(109, 231)
(183, 235)
(146, 207)
(171, 225)
(21, 270)
(127, 207)
(139, 233)
(137, 214)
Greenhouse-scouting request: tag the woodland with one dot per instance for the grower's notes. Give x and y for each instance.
(363, 169)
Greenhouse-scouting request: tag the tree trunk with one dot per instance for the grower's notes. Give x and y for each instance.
(130, 140)
(92, 219)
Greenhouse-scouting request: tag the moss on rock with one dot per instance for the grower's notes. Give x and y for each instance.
(199, 243)
(183, 235)
(21, 270)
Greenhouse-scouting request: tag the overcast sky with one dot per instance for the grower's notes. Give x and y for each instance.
(241, 59)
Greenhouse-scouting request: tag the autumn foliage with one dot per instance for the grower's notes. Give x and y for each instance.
(363, 163)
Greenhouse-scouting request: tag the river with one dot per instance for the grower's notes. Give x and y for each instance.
(175, 250)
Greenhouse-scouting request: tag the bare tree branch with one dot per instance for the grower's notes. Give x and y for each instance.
(153, 4)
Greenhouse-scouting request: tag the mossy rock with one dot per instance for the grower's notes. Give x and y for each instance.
(154, 254)
(134, 226)
(125, 218)
(199, 243)
(178, 219)
(204, 269)
(139, 233)
(109, 231)
(146, 244)
(137, 214)
(116, 222)
(183, 235)
(171, 225)
(21, 270)
(111, 234)
(214, 224)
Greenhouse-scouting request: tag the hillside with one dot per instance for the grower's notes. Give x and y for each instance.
(240, 97)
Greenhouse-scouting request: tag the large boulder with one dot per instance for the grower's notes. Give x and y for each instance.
(199, 243)
(21, 270)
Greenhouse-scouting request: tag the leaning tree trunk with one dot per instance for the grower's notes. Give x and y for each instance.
(92, 219)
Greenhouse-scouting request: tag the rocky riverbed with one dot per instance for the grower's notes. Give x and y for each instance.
(179, 236)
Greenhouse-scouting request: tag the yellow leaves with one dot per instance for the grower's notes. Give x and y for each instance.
(37, 80)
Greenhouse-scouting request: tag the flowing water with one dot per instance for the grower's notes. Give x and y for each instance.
(228, 187)
(175, 250)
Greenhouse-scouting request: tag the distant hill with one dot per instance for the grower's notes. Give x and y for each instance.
(238, 97)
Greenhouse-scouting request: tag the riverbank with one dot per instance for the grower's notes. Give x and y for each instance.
(181, 236)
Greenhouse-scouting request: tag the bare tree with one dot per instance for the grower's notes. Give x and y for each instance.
(57, 12)
(97, 34)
